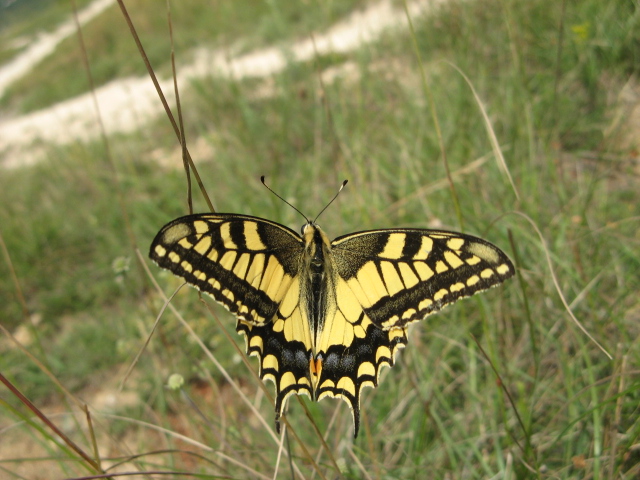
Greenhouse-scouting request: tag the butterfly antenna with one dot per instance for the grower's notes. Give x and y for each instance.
(269, 188)
(334, 197)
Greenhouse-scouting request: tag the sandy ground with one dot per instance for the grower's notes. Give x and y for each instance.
(45, 44)
(127, 104)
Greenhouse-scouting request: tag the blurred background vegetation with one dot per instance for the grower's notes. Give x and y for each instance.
(559, 84)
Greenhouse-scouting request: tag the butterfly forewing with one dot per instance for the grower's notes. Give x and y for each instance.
(400, 276)
(245, 263)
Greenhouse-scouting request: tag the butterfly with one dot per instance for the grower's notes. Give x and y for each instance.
(323, 316)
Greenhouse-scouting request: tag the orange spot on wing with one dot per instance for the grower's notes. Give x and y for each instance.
(315, 367)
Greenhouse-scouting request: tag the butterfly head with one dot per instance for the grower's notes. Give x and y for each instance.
(312, 233)
(308, 229)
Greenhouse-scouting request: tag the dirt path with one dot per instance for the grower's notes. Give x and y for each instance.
(45, 44)
(127, 104)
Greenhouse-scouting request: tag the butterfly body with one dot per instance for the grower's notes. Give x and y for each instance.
(325, 316)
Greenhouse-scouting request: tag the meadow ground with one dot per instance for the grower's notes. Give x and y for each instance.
(515, 121)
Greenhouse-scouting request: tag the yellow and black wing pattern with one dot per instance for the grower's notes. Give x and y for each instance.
(249, 265)
(325, 316)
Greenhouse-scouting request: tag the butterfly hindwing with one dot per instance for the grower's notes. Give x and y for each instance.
(355, 362)
(284, 362)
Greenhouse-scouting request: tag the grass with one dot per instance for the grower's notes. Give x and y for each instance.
(442, 411)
